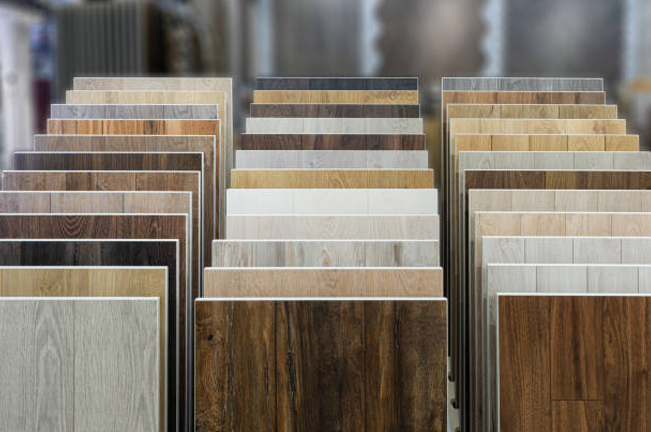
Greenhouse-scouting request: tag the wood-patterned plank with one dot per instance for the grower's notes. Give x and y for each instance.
(135, 111)
(334, 125)
(325, 253)
(331, 159)
(87, 364)
(100, 282)
(142, 143)
(351, 227)
(336, 96)
(100, 161)
(335, 110)
(332, 179)
(544, 142)
(322, 282)
(332, 142)
(101, 226)
(302, 381)
(336, 83)
(530, 111)
(523, 84)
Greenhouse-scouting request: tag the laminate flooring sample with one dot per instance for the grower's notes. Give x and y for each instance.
(294, 125)
(332, 179)
(142, 253)
(322, 282)
(325, 253)
(314, 371)
(80, 364)
(332, 142)
(119, 181)
(100, 161)
(135, 111)
(353, 227)
(399, 97)
(332, 201)
(544, 142)
(524, 84)
(532, 111)
(331, 159)
(139, 144)
(339, 83)
(309, 110)
(100, 282)
(585, 356)
(102, 226)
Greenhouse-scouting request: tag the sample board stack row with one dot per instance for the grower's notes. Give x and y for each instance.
(120, 200)
(323, 309)
(548, 227)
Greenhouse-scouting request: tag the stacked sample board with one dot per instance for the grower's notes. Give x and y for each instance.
(120, 202)
(323, 309)
(546, 226)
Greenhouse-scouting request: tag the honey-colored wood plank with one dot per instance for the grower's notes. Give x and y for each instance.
(332, 179)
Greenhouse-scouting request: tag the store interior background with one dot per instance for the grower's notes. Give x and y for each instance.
(44, 43)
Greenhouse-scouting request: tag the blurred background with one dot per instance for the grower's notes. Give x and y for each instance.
(45, 43)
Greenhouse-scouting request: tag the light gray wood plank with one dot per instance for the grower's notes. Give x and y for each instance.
(299, 159)
(631, 160)
(325, 253)
(610, 279)
(560, 279)
(257, 125)
(144, 111)
(375, 227)
(506, 160)
(552, 160)
(521, 84)
(398, 159)
(532, 201)
(620, 201)
(117, 365)
(548, 250)
(597, 250)
(572, 200)
(594, 160)
(635, 250)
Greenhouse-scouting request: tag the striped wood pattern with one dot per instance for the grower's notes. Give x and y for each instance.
(309, 110)
(336, 96)
(332, 142)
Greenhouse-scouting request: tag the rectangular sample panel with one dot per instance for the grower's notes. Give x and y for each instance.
(336, 96)
(588, 349)
(332, 159)
(332, 142)
(334, 125)
(103, 282)
(322, 365)
(338, 83)
(323, 282)
(523, 84)
(332, 179)
(332, 201)
(325, 253)
(544, 142)
(135, 111)
(532, 111)
(359, 227)
(308, 110)
(103, 370)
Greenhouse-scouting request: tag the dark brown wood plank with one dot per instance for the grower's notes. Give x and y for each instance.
(626, 363)
(332, 142)
(577, 416)
(334, 111)
(524, 364)
(577, 367)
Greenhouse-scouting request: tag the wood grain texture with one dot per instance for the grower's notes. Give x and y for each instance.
(303, 381)
(325, 253)
(531, 111)
(331, 159)
(524, 84)
(99, 161)
(336, 96)
(338, 83)
(100, 282)
(334, 125)
(332, 142)
(110, 253)
(142, 143)
(543, 142)
(84, 226)
(87, 364)
(332, 201)
(353, 227)
(620, 326)
(323, 282)
(335, 110)
(135, 111)
(332, 179)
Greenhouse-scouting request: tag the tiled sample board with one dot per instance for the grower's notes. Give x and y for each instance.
(334, 125)
(332, 159)
(364, 179)
(343, 83)
(309, 110)
(333, 141)
(134, 111)
(584, 355)
(336, 96)
(318, 376)
(102, 369)
(521, 84)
